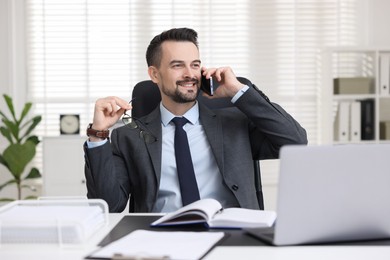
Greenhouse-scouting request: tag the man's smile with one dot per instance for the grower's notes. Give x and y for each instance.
(188, 83)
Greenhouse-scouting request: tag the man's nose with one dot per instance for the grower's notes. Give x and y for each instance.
(189, 72)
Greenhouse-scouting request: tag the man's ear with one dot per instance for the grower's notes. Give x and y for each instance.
(153, 74)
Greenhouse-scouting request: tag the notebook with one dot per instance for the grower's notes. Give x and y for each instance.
(331, 194)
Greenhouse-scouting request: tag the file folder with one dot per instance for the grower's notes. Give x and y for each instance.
(341, 126)
(384, 74)
(368, 119)
(384, 132)
(355, 121)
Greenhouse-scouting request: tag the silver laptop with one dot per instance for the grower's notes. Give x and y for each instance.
(331, 194)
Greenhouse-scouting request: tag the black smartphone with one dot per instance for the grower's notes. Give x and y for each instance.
(207, 85)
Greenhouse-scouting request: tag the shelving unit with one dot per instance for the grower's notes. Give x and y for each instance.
(352, 63)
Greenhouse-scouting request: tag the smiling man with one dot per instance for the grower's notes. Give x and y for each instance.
(168, 72)
(222, 143)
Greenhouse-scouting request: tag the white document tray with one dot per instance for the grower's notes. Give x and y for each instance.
(52, 221)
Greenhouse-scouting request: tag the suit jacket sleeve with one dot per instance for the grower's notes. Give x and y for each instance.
(104, 179)
(271, 126)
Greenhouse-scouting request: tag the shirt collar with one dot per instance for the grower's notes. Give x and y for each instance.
(192, 115)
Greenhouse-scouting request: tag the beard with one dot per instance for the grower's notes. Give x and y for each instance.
(182, 97)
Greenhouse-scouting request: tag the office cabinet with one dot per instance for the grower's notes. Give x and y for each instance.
(63, 166)
(355, 95)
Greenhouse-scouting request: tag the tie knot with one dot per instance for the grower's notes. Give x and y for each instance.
(179, 121)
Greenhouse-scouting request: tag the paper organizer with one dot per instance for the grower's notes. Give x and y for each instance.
(52, 221)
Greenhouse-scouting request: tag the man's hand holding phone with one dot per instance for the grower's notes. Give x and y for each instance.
(224, 82)
(207, 85)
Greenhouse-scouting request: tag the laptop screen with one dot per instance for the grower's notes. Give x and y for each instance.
(333, 193)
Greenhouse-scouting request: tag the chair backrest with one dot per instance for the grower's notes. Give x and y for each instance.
(147, 97)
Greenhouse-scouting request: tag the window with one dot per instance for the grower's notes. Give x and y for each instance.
(82, 50)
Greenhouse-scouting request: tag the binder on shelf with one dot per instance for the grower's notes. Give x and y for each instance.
(341, 126)
(384, 132)
(368, 119)
(355, 111)
(353, 86)
(62, 222)
(384, 74)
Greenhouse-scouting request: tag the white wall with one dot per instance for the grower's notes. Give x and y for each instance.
(4, 57)
(13, 50)
(378, 21)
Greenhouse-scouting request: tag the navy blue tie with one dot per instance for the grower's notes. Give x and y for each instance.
(185, 169)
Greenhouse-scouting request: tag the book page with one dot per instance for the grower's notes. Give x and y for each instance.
(243, 218)
(196, 212)
(144, 244)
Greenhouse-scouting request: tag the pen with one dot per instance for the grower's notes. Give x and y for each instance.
(135, 257)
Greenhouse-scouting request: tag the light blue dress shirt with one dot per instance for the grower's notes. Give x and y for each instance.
(207, 174)
(208, 177)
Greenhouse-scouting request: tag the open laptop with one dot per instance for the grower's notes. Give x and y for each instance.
(331, 194)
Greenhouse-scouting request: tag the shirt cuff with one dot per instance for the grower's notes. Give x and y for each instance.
(96, 144)
(239, 93)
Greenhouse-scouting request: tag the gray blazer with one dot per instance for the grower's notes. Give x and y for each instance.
(130, 165)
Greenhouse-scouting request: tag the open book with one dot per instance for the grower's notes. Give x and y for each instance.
(211, 213)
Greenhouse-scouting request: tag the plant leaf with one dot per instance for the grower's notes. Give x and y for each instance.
(3, 115)
(31, 197)
(10, 105)
(6, 133)
(2, 161)
(17, 156)
(34, 173)
(12, 127)
(6, 199)
(34, 139)
(35, 121)
(25, 111)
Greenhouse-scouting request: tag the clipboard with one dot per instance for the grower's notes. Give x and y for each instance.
(153, 245)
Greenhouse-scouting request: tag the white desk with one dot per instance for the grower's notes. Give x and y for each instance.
(50, 252)
(53, 251)
(300, 253)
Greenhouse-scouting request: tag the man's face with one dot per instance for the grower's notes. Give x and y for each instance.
(179, 72)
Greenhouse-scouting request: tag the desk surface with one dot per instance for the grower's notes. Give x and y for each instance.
(229, 249)
(234, 237)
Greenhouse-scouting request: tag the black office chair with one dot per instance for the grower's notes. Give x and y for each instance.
(147, 97)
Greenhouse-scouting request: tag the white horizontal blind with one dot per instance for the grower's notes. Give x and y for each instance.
(80, 50)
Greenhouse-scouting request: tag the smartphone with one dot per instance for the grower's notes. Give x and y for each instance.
(207, 85)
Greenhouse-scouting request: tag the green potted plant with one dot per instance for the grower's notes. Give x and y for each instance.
(21, 147)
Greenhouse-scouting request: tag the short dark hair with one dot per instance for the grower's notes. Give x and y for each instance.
(153, 53)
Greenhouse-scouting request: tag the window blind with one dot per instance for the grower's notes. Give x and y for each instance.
(80, 50)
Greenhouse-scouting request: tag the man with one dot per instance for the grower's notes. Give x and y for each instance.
(223, 143)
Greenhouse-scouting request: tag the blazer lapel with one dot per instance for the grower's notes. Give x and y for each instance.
(213, 129)
(152, 125)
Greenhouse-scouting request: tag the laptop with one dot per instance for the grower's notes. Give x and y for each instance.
(331, 194)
